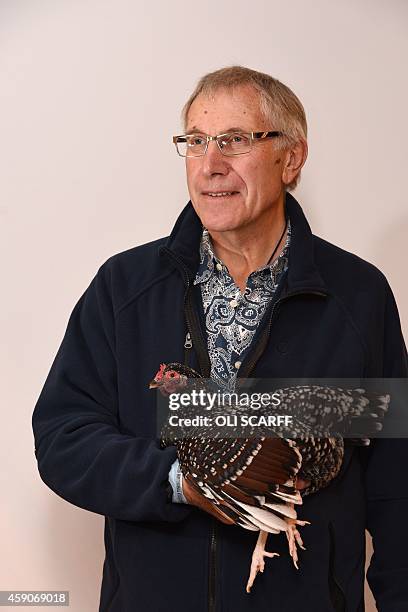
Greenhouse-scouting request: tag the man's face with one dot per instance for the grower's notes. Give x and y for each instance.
(255, 177)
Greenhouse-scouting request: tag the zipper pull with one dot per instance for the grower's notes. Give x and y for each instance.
(188, 342)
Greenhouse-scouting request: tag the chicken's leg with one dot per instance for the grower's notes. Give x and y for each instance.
(258, 555)
(293, 537)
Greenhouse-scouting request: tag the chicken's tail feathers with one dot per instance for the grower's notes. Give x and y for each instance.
(351, 413)
(367, 413)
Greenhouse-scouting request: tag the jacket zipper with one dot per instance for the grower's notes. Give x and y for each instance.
(192, 321)
(188, 345)
(212, 574)
(202, 355)
(203, 359)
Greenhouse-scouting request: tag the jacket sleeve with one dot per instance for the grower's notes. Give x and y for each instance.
(387, 487)
(82, 454)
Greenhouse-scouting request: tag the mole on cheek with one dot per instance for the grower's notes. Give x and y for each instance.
(278, 161)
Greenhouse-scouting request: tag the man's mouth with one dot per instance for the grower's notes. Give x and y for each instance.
(220, 194)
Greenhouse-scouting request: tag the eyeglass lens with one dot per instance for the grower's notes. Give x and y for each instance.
(194, 145)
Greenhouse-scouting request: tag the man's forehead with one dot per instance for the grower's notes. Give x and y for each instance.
(241, 96)
(235, 128)
(241, 105)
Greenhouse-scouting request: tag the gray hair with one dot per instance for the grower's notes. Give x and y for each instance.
(277, 103)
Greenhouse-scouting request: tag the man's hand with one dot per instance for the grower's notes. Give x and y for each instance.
(195, 499)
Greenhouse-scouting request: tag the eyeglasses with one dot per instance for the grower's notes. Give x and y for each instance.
(231, 143)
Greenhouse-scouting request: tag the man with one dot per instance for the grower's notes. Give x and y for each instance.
(240, 288)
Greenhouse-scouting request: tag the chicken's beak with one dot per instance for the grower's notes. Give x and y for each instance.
(153, 384)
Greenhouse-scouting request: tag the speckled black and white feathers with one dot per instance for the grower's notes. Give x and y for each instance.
(250, 476)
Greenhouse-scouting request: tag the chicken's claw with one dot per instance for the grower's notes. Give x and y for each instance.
(257, 565)
(294, 537)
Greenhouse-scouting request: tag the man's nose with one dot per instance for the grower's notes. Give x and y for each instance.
(214, 162)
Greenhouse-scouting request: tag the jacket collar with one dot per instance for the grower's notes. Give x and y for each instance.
(183, 245)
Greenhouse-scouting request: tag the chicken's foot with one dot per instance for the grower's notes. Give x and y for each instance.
(294, 538)
(258, 555)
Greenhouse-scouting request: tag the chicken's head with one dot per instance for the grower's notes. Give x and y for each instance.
(169, 379)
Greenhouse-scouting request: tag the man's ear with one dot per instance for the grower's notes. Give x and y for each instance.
(295, 157)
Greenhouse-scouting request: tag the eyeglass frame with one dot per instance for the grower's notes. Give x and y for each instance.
(253, 135)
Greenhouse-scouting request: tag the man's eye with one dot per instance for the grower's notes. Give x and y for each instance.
(236, 138)
(196, 141)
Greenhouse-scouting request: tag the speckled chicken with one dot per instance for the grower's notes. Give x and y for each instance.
(251, 477)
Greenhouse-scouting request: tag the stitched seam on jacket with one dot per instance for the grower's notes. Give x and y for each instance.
(134, 297)
(356, 329)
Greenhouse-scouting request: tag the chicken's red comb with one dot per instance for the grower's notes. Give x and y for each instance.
(159, 374)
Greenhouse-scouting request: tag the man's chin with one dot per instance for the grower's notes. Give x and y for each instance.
(221, 227)
(220, 224)
(218, 219)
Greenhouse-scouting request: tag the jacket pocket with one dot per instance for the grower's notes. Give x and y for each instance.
(337, 595)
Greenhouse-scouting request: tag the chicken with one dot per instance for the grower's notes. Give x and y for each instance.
(251, 477)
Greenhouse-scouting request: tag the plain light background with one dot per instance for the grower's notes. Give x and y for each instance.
(90, 95)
